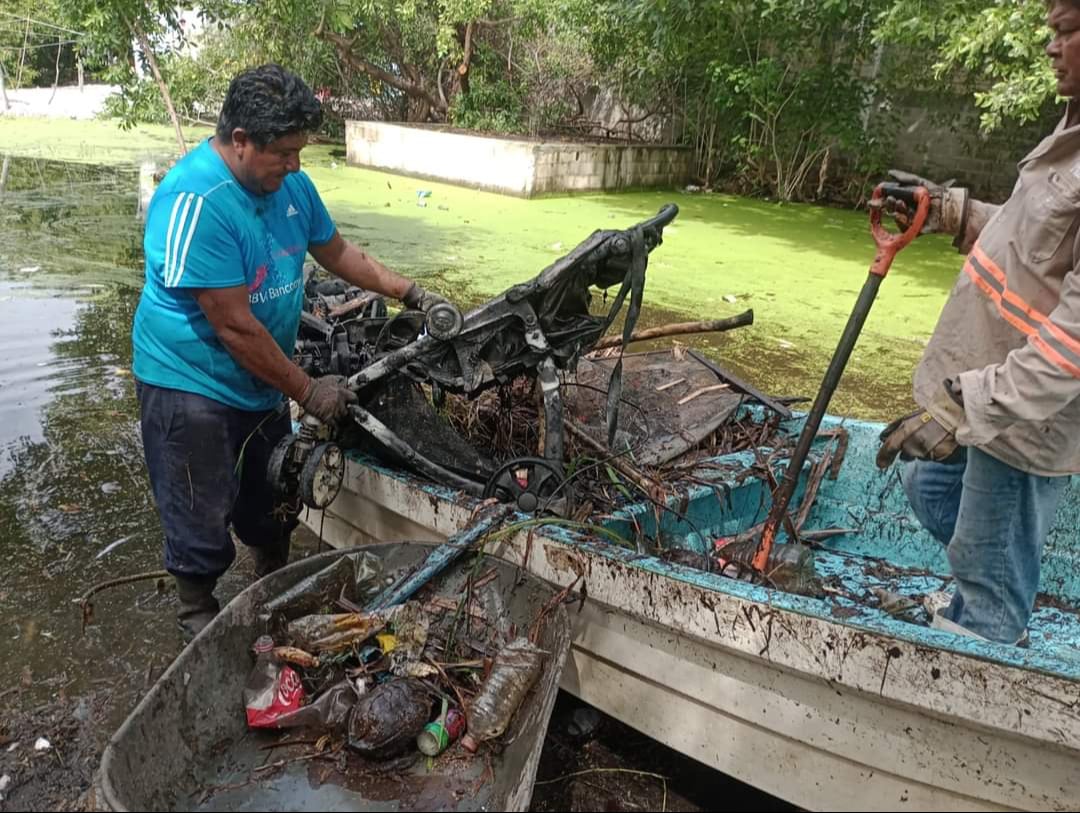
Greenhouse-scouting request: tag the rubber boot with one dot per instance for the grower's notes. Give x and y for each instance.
(269, 558)
(198, 607)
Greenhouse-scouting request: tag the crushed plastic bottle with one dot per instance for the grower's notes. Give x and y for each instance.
(516, 669)
(790, 567)
(273, 688)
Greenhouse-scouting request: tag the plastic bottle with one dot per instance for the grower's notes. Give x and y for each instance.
(790, 567)
(516, 669)
(437, 736)
(273, 688)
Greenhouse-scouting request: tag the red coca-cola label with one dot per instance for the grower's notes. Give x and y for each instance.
(286, 695)
(454, 724)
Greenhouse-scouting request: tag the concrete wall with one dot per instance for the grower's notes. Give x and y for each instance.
(940, 139)
(511, 166)
(580, 167)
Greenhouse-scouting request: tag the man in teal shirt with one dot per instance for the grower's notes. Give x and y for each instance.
(226, 236)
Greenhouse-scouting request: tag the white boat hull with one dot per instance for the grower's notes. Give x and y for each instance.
(817, 712)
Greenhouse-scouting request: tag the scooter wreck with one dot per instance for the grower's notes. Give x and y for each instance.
(534, 329)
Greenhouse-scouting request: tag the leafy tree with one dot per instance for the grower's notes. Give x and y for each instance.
(412, 59)
(770, 93)
(112, 30)
(994, 47)
(33, 53)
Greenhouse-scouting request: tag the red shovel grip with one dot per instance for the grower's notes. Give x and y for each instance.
(889, 245)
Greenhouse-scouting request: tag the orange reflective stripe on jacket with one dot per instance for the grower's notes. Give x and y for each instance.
(1049, 339)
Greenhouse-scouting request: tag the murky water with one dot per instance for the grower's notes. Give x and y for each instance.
(71, 474)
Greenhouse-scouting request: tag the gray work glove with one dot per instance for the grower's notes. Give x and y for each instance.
(420, 299)
(926, 434)
(948, 205)
(328, 398)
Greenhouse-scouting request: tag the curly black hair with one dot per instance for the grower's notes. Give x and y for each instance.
(268, 102)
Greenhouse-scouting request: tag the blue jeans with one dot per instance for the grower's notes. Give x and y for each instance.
(994, 519)
(207, 464)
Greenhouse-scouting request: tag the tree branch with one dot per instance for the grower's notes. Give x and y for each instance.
(466, 57)
(639, 119)
(148, 53)
(412, 89)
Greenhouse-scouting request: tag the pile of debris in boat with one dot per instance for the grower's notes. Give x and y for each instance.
(663, 444)
(567, 454)
(523, 400)
(503, 423)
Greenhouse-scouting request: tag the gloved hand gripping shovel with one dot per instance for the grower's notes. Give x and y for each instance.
(888, 246)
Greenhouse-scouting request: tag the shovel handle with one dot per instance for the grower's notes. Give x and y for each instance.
(888, 244)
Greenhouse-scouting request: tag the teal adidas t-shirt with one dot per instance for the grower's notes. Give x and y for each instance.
(205, 230)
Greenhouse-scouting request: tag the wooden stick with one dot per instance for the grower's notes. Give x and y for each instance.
(474, 664)
(88, 607)
(352, 305)
(813, 483)
(440, 603)
(486, 579)
(702, 391)
(742, 386)
(670, 384)
(680, 329)
(281, 763)
(625, 469)
(826, 533)
(286, 743)
(56, 77)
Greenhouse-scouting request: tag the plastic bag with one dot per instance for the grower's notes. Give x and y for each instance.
(388, 719)
(358, 575)
(333, 633)
(329, 711)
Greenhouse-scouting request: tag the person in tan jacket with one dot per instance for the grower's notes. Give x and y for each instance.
(988, 454)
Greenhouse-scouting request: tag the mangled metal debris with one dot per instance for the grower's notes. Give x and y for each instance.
(410, 369)
(671, 404)
(533, 329)
(508, 401)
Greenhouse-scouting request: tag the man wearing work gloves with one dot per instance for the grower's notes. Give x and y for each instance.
(226, 236)
(999, 432)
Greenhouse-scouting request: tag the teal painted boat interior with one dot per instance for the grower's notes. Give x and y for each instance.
(889, 550)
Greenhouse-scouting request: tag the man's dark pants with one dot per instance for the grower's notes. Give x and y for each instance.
(207, 464)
